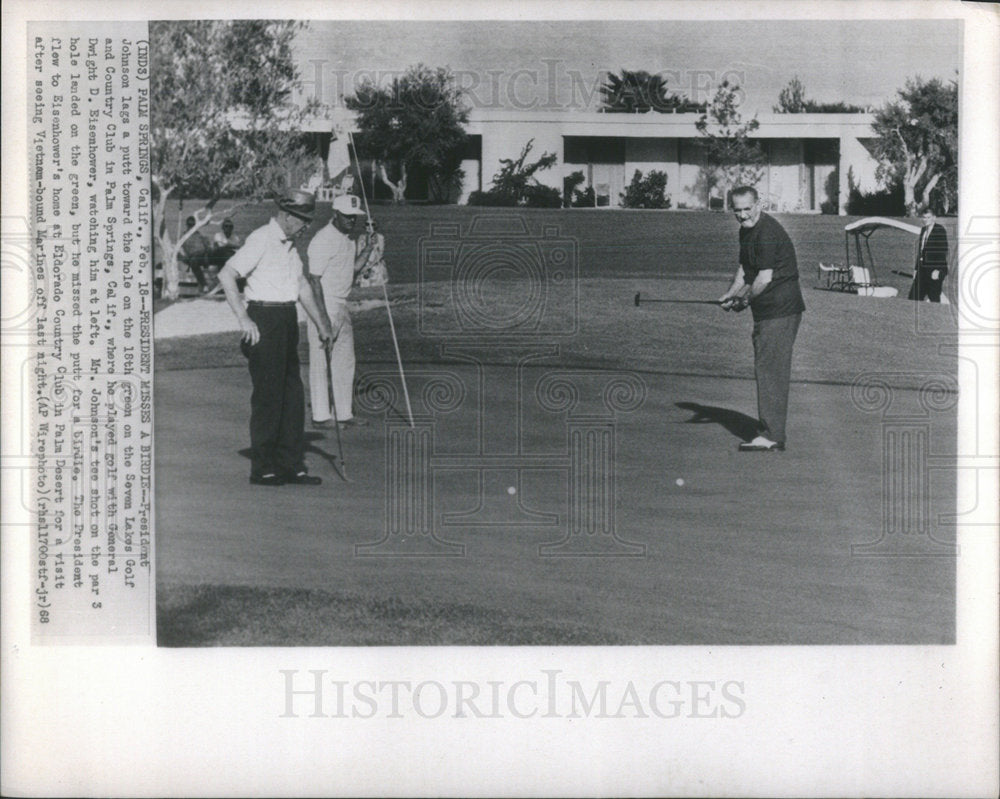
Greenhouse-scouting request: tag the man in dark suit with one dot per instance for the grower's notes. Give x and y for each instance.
(931, 267)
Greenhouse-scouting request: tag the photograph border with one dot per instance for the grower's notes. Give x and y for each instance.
(876, 720)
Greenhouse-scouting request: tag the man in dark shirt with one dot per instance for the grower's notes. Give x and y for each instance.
(768, 281)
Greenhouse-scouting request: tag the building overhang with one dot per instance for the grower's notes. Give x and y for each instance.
(649, 125)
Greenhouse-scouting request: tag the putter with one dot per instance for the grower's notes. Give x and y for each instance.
(342, 471)
(640, 299)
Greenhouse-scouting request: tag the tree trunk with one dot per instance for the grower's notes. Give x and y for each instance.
(168, 252)
(909, 201)
(925, 194)
(915, 170)
(171, 269)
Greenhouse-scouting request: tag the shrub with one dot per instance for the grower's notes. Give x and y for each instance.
(886, 202)
(573, 197)
(646, 192)
(492, 198)
(515, 184)
(542, 196)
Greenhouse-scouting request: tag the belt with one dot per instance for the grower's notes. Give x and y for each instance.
(267, 304)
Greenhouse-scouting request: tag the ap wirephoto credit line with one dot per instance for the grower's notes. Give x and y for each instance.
(92, 371)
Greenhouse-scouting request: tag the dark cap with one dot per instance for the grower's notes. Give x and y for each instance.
(299, 203)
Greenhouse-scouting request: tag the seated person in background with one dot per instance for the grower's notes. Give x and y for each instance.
(225, 243)
(195, 254)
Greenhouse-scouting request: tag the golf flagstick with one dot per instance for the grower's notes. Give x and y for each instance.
(333, 410)
(399, 358)
(385, 293)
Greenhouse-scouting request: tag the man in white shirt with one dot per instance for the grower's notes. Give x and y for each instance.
(333, 261)
(270, 335)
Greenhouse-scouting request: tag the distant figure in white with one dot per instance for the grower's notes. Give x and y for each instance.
(334, 259)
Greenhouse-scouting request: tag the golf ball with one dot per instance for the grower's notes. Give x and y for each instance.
(679, 481)
(511, 490)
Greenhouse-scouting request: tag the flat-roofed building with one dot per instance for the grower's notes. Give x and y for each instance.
(808, 157)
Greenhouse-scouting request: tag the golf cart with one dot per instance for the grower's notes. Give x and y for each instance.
(861, 278)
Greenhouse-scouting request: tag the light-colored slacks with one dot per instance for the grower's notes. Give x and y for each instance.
(342, 362)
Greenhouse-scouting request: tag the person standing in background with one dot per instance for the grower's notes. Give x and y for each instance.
(931, 267)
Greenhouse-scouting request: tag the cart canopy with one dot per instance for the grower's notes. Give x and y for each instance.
(872, 223)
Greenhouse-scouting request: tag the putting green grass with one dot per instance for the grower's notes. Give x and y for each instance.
(842, 335)
(749, 550)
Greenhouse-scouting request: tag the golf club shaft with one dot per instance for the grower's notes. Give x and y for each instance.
(639, 299)
(333, 408)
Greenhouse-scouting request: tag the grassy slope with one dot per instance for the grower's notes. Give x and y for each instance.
(615, 243)
(664, 254)
(841, 337)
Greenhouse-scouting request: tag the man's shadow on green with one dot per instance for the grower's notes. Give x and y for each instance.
(311, 439)
(739, 424)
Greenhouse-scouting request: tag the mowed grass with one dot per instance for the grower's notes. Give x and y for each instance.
(609, 242)
(677, 255)
(842, 336)
(226, 615)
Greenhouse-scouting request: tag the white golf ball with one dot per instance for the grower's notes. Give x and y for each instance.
(511, 490)
(679, 481)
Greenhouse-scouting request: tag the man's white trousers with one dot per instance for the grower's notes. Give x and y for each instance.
(341, 360)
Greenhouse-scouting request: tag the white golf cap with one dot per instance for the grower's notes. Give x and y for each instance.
(348, 205)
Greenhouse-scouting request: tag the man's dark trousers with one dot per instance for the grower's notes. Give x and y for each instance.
(772, 350)
(277, 405)
(924, 287)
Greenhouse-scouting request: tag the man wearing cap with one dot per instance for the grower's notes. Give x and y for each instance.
(270, 336)
(333, 261)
